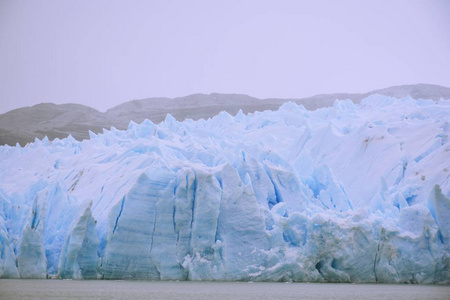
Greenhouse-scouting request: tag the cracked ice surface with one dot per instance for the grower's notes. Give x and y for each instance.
(352, 193)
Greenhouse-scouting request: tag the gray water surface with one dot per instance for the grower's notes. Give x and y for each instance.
(102, 289)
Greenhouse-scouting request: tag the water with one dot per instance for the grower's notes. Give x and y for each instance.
(102, 289)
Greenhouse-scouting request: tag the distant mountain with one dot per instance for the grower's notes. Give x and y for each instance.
(23, 125)
(416, 91)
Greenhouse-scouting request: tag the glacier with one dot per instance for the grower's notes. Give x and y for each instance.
(349, 193)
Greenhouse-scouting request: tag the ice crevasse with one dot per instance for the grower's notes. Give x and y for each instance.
(350, 193)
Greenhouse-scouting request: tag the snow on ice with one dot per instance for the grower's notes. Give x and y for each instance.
(351, 193)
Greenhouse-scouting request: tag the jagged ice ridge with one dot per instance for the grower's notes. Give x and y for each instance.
(352, 193)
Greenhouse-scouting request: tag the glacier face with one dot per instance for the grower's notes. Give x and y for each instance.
(351, 193)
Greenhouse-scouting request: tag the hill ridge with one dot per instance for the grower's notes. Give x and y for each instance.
(24, 124)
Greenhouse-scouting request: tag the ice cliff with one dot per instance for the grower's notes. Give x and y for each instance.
(351, 193)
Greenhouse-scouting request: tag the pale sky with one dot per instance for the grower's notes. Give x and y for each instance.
(103, 53)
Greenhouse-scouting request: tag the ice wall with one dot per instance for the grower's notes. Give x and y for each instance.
(352, 193)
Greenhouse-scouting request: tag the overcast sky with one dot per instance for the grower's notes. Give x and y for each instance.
(103, 53)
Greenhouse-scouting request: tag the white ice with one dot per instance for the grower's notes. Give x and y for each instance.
(351, 193)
